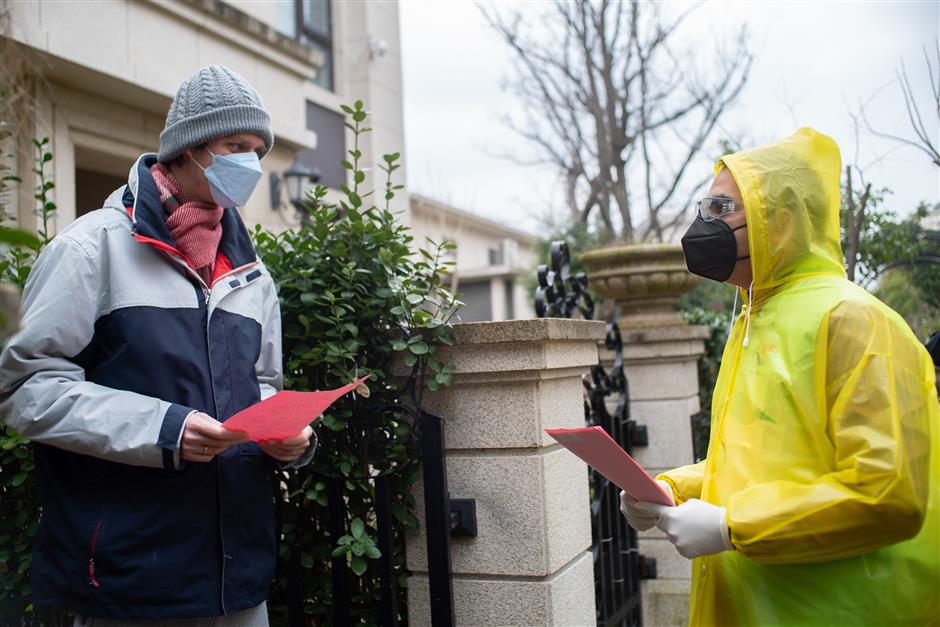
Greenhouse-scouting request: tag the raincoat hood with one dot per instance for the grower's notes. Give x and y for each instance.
(791, 200)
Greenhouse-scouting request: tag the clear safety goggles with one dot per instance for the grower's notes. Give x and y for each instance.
(713, 207)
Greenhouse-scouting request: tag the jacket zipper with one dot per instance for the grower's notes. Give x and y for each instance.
(92, 579)
(215, 404)
(206, 293)
(206, 297)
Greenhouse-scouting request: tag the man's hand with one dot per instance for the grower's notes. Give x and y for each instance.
(288, 449)
(639, 518)
(204, 437)
(695, 527)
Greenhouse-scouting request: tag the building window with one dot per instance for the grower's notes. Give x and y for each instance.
(315, 28)
(326, 158)
(495, 256)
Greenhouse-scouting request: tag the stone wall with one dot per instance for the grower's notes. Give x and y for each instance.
(530, 563)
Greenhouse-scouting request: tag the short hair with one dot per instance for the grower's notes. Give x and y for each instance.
(180, 159)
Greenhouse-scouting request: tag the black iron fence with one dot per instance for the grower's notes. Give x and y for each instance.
(443, 518)
(559, 294)
(618, 565)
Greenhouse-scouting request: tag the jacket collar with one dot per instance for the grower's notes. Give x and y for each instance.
(141, 199)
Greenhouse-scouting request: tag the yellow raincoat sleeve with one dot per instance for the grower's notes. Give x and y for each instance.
(686, 481)
(879, 397)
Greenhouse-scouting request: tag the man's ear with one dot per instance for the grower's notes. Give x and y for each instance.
(180, 160)
(196, 155)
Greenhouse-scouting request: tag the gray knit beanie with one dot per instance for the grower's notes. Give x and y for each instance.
(213, 102)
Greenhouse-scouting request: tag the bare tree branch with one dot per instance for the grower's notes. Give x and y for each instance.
(922, 141)
(601, 85)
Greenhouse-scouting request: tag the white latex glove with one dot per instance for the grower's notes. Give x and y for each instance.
(641, 519)
(695, 527)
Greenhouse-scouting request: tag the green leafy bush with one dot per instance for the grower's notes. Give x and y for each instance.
(356, 298)
(899, 261)
(897, 258)
(19, 505)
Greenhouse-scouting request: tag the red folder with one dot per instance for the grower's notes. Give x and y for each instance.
(594, 446)
(285, 414)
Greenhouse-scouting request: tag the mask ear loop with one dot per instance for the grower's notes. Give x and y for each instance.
(750, 303)
(210, 163)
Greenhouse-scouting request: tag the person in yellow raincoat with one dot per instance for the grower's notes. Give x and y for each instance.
(817, 502)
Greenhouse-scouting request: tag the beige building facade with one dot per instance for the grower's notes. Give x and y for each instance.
(99, 78)
(495, 264)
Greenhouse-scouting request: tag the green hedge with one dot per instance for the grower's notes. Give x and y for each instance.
(19, 493)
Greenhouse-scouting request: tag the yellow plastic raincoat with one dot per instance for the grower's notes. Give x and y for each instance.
(825, 442)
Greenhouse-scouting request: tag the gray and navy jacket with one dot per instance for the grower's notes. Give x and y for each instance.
(121, 341)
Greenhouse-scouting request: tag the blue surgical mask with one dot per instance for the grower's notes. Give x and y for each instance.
(232, 178)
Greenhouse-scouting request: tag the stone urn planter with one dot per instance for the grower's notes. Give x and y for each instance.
(645, 280)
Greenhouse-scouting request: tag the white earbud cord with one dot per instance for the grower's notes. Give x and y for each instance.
(733, 307)
(750, 303)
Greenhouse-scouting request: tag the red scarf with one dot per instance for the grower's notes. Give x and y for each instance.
(195, 225)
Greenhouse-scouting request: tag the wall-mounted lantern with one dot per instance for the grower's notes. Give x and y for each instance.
(295, 179)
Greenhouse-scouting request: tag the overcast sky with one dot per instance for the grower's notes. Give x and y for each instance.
(815, 62)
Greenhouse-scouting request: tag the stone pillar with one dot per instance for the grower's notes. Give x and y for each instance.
(660, 363)
(530, 563)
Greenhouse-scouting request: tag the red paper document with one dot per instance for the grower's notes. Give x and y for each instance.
(286, 413)
(594, 446)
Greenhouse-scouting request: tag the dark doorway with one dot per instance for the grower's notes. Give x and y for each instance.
(97, 174)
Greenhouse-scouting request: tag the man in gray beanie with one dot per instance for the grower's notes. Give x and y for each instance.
(145, 325)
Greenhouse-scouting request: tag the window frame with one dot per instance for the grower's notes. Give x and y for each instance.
(325, 41)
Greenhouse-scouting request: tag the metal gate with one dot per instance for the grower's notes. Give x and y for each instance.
(444, 517)
(618, 565)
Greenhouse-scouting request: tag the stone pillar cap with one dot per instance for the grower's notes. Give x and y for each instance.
(528, 331)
